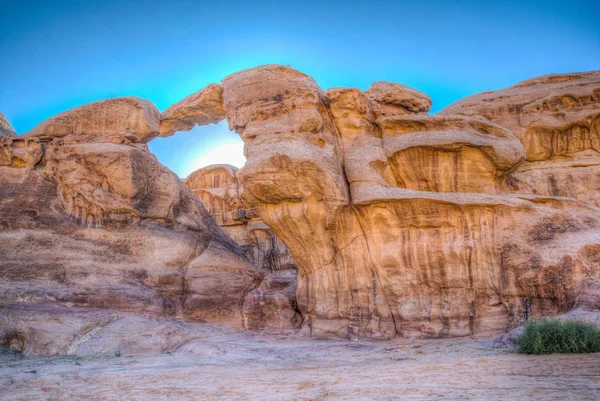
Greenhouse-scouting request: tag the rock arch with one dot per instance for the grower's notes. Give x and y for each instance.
(407, 224)
(400, 223)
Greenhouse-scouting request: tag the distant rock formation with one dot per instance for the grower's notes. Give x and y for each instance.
(272, 305)
(5, 128)
(400, 223)
(217, 187)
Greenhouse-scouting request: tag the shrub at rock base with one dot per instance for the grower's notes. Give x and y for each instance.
(548, 336)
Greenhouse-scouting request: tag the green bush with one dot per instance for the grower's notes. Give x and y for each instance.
(565, 336)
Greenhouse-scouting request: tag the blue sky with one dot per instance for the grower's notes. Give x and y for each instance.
(58, 55)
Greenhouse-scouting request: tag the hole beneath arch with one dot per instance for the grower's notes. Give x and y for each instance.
(186, 152)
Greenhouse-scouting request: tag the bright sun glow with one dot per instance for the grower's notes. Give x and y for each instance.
(186, 152)
(228, 153)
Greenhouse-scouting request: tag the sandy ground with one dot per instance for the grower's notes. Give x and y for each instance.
(278, 367)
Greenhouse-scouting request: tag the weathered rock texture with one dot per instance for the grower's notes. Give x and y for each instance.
(104, 225)
(218, 189)
(403, 223)
(51, 328)
(557, 118)
(201, 108)
(272, 305)
(400, 223)
(5, 128)
(126, 120)
(390, 99)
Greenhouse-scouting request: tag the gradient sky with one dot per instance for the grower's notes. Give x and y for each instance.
(58, 55)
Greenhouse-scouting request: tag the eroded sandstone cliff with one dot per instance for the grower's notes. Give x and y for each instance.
(399, 222)
(557, 118)
(89, 219)
(403, 223)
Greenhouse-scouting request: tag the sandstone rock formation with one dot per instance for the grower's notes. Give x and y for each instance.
(92, 224)
(201, 108)
(403, 223)
(218, 189)
(5, 128)
(272, 305)
(557, 118)
(126, 120)
(49, 328)
(400, 223)
(389, 99)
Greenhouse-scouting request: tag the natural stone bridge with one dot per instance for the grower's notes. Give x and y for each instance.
(400, 222)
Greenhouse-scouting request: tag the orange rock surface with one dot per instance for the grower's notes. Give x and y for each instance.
(400, 223)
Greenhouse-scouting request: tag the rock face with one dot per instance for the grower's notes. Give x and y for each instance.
(104, 225)
(201, 108)
(218, 189)
(403, 223)
(400, 223)
(273, 305)
(557, 118)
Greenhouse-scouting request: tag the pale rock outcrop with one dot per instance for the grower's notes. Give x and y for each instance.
(217, 188)
(5, 128)
(127, 120)
(50, 328)
(105, 225)
(400, 223)
(14, 152)
(391, 99)
(272, 306)
(201, 108)
(557, 118)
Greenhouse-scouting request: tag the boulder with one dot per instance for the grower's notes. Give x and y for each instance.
(391, 99)
(128, 120)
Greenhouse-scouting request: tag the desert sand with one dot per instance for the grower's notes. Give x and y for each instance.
(272, 366)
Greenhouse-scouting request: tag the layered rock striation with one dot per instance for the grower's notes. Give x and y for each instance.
(557, 118)
(400, 223)
(90, 220)
(403, 223)
(124, 120)
(273, 305)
